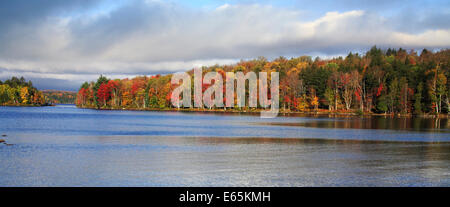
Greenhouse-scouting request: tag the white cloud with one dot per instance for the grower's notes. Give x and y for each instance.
(154, 37)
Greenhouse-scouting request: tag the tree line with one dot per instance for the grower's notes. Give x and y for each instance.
(59, 97)
(18, 91)
(379, 81)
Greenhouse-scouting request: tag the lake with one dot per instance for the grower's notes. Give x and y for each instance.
(68, 146)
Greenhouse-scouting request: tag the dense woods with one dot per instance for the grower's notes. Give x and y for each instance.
(19, 92)
(380, 81)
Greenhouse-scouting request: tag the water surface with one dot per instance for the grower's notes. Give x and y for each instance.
(67, 146)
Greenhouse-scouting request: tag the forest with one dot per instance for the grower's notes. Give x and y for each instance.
(390, 81)
(19, 92)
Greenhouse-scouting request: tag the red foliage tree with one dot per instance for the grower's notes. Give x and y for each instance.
(104, 93)
(82, 95)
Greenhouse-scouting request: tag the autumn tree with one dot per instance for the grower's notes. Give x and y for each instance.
(18, 91)
(379, 81)
(349, 84)
(101, 80)
(104, 94)
(418, 99)
(393, 95)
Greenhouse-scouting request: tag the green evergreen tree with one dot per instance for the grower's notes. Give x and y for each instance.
(418, 99)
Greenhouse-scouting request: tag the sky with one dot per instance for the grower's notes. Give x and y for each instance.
(58, 44)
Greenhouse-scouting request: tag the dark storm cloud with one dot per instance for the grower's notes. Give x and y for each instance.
(31, 12)
(98, 34)
(55, 84)
(414, 21)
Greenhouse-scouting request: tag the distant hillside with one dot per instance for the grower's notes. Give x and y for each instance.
(59, 97)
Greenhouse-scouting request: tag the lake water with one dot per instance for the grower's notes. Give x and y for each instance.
(67, 146)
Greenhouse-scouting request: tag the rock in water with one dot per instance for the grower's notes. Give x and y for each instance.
(2, 140)
(3, 135)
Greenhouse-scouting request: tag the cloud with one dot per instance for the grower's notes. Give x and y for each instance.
(77, 41)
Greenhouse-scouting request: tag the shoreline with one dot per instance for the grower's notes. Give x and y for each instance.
(259, 140)
(280, 113)
(26, 105)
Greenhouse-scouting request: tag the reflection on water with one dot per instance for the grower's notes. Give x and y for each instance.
(65, 146)
(394, 123)
(185, 161)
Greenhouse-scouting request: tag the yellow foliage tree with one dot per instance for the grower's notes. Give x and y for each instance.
(301, 104)
(302, 65)
(315, 102)
(126, 98)
(24, 95)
